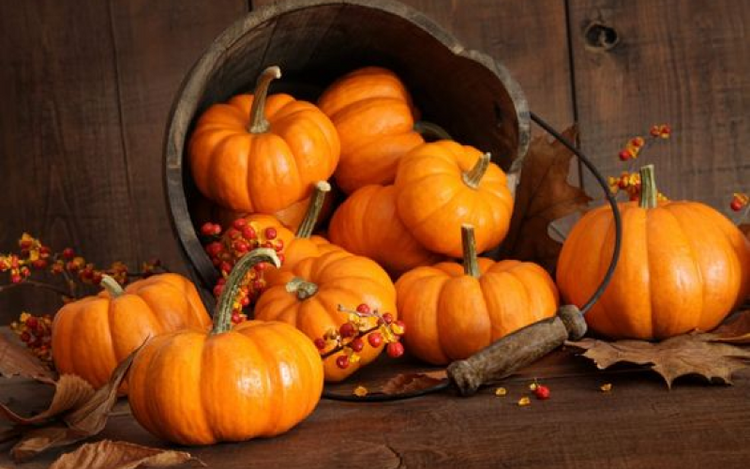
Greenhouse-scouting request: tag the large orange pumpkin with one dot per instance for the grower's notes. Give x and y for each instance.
(443, 185)
(683, 266)
(309, 293)
(92, 335)
(453, 311)
(373, 115)
(199, 388)
(258, 154)
(367, 224)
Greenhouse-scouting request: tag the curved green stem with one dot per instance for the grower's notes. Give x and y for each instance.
(258, 121)
(223, 316)
(302, 288)
(112, 286)
(648, 187)
(471, 263)
(474, 176)
(318, 197)
(430, 129)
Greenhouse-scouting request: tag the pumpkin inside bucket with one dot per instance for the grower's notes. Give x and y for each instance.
(466, 92)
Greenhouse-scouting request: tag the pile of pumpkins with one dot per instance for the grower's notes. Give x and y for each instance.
(411, 206)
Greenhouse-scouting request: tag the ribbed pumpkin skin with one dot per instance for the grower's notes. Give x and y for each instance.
(680, 268)
(433, 201)
(264, 172)
(194, 388)
(342, 279)
(450, 315)
(372, 112)
(299, 249)
(92, 335)
(367, 224)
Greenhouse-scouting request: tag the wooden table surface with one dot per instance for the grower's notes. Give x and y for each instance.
(639, 424)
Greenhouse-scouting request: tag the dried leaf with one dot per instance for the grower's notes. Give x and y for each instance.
(543, 195)
(71, 391)
(736, 330)
(681, 355)
(17, 360)
(405, 383)
(745, 228)
(108, 454)
(86, 419)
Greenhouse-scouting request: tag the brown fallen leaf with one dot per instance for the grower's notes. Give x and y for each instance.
(406, 383)
(71, 391)
(745, 228)
(85, 419)
(681, 355)
(736, 330)
(108, 454)
(543, 195)
(17, 360)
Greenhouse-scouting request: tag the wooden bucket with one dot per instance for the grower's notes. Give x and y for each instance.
(468, 93)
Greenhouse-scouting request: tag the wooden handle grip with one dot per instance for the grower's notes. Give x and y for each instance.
(516, 350)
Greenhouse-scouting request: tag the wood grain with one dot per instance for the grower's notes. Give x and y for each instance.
(685, 63)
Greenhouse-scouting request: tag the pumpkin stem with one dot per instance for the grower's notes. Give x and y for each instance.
(471, 264)
(430, 129)
(305, 229)
(473, 177)
(223, 315)
(112, 286)
(648, 187)
(302, 288)
(258, 122)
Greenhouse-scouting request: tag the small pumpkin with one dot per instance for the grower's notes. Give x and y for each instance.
(257, 380)
(92, 335)
(373, 114)
(453, 311)
(308, 294)
(367, 224)
(680, 267)
(443, 185)
(261, 154)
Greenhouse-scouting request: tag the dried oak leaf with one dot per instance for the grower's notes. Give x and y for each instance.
(406, 383)
(543, 195)
(681, 355)
(87, 418)
(108, 454)
(17, 360)
(71, 391)
(736, 330)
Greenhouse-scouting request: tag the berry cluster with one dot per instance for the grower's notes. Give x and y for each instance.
(363, 323)
(629, 183)
(636, 144)
(739, 201)
(36, 333)
(226, 248)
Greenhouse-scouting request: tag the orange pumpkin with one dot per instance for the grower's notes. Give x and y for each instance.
(442, 185)
(373, 115)
(452, 312)
(199, 388)
(680, 268)
(309, 293)
(367, 224)
(257, 154)
(92, 335)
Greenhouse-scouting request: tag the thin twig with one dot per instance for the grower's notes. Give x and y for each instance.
(34, 283)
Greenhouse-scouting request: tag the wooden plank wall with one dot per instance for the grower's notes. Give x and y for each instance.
(87, 88)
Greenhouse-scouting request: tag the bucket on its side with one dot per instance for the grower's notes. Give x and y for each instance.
(466, 92)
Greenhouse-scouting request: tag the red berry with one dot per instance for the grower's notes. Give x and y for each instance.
(260, 267)
(214, 249)
(320, 344)
(233, 234)
(25, 244)
(68, 253)
(363, 309)
(541, 392)
(357, 344)
(258, 285)
(39, 264)
(217, 290)
(236, 317)
(271, 233)
(97, 278)
(3, 266)
(239, 223)
(281, 257)
(221, 281)
(388, 318)
(342, 361)
(279, 245)
(395, 349)
(241, 246)
(207, 229)
(25, 337)
(32, 323)
(347, 330)
(226, 267)
(736, 205)
(375, 339)
(245, 301)
(624, 155)
(248, 232)
(15, 278)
